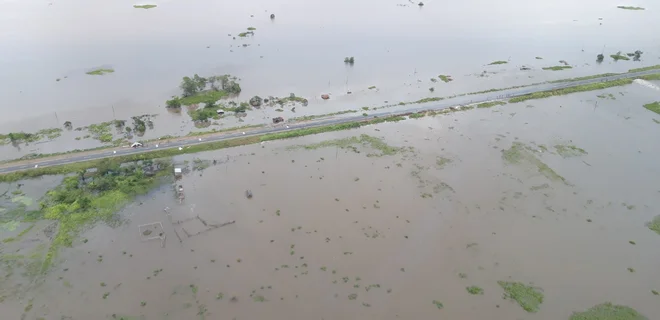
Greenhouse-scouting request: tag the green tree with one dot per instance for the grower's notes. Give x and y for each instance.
(174, 103)
(188, 86)
(600, 58)
(200, 82)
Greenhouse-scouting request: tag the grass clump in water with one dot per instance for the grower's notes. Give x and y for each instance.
(630, 8)
(445, 78)
(618, 56)
(521, 154)
(441, 162)
(608, 311)
(568, 151)
(144, 6)
(654, 224)
(581, 88)
(438, 304)
(655, 107)
(474, 290)
(498, 62)
(557, 68)
(491, 104)
(529, 298)
(100, 71)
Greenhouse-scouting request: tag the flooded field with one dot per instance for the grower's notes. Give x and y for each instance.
(401, 50)
(547, 202)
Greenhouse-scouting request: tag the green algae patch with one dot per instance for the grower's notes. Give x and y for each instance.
(655, 107)
(568, 151)
(23, 200)
(350, 143)
(490, 104)
(441, 162)
(144, 6)
(608, 311)
(654, 224)
(474, 290)
(523, 155)
(529, 298)
(100, 72)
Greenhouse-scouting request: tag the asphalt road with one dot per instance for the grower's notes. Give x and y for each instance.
(461, 100)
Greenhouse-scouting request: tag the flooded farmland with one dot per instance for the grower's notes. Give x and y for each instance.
(533, 210)
(400, 50)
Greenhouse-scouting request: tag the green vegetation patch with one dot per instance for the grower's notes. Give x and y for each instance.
(445, 78)
(557, 68)
(650, 77)
(100, 71)
(441, 162)
(657, 66)
(522, 154)
(101, 131)
(654, 224)
(630, 8)
(203, 97)
(80, 201)
(529, 298)
(144, 6)
(438, 304)
(618, 56)
(655, 107)
(608, 311)
(22, 137)
(312, 117)
(565, 91)
(349, 143)
(203, 133)
(19, 236)
(497, 62)
(568, 151)
(474, 290)
(586, 77)
(491, 104)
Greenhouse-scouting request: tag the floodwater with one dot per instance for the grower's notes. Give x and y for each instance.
(395, 224)
(398, 47)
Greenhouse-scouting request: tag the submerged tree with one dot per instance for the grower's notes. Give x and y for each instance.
(600, 58)
(189, 86)
(200, 82)
(68, 125)
(637, 55)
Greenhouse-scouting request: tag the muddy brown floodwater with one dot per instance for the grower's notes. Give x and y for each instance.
(384, 222)
(400, 50)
